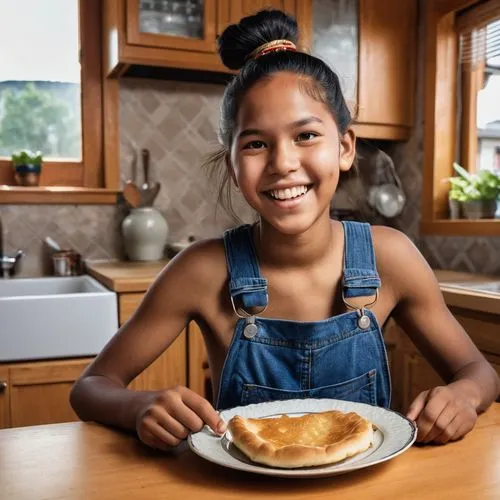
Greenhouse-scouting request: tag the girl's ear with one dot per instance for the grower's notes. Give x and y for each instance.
(230, 169)
(347, 150)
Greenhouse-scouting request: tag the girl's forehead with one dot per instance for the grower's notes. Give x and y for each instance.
(280, 97)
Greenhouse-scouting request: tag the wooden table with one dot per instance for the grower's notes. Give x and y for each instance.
(87, 461)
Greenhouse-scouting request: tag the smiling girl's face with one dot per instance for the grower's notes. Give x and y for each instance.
(287, 153)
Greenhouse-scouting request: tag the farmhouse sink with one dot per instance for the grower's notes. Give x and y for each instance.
(488, 287)
(46, 318)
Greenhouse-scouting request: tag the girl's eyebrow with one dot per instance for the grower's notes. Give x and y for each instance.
(298, 123)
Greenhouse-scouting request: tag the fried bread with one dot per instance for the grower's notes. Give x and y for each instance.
(313, 439)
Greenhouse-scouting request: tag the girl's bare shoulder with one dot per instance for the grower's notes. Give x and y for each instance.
(193, 277)
(201, 263)
(399, 262)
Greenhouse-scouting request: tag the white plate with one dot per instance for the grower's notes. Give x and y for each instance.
(394, 435)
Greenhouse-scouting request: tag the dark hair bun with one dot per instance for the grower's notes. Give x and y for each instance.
(239, 40)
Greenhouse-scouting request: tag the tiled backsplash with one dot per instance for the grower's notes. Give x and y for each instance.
(178, 122)
(91, 230)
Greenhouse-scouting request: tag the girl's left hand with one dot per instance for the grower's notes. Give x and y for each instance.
(442, 414)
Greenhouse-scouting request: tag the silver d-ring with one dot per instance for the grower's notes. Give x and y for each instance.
(346, 302)
(245, 315)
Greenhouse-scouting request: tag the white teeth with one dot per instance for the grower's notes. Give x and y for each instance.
(288, 193)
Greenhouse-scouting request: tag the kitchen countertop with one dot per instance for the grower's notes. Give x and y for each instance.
(467, 298)
(88, 461)
(127, 276)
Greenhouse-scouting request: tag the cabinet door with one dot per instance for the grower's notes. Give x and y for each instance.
(336, 42)
(418, 376)
(387, 60)
(127, 304)
(199, 379)
(175, 24)
(4, 397)
(168, 370)
(241, 8)
(231, 11)
(39, 392)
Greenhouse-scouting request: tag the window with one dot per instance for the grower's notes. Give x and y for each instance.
(461, 108)
(51, 99)
(40, 83)
(479, 99)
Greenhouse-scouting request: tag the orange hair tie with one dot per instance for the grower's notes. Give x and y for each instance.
(274, 46)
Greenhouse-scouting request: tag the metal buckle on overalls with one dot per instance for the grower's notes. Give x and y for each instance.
(251, 329)
(363, 320)
(243, 313)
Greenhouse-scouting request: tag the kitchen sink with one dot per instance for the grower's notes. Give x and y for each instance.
(488, 287)
(46, 318)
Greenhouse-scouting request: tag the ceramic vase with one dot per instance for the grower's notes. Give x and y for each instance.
(145, 233)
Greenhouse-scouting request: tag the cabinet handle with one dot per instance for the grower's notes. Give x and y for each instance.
(3, 385)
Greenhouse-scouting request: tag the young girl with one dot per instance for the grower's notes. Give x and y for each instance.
(291, 306)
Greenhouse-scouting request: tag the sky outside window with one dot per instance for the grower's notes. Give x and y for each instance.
(39, 40)
(39, 63)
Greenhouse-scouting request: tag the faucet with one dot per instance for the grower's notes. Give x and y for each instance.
(8, 264)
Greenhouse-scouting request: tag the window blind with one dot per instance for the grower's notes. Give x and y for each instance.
(481, 45)
(479, 29)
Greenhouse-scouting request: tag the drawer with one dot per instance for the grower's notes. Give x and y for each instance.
(127, 304)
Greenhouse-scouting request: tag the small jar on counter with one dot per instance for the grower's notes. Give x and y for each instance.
(67, 263)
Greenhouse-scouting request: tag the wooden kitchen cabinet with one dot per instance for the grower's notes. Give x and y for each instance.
(136, 33)
(231, 11)
(387, 68)
(418, 376)
(4, 397)
(37, 393)
(372, 47)
(199, 376)
(144, 28)
(371, 44)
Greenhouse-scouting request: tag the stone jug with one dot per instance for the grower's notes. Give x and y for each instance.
(145, 233)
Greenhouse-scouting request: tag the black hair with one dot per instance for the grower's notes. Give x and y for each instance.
(235, 45)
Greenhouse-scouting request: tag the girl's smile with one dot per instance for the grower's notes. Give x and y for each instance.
(288, 198)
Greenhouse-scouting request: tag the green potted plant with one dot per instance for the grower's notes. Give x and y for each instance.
(27, 167)
(474, 195)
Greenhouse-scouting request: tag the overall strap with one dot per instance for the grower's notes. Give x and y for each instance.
(246, 285)
(360, 277)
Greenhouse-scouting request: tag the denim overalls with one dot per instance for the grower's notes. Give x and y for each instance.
(342, 357)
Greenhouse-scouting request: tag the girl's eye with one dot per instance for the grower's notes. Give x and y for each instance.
(306, 136)
(254, 145)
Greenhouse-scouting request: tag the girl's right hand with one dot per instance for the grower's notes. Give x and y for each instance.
(172, 415)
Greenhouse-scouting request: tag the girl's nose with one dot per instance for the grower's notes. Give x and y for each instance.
(283, 159)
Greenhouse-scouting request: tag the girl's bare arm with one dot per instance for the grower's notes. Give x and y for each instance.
(175, 297)
(472, 384)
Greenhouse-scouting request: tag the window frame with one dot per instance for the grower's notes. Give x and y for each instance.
(94, 179)
(440, 121)
(472, 82)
